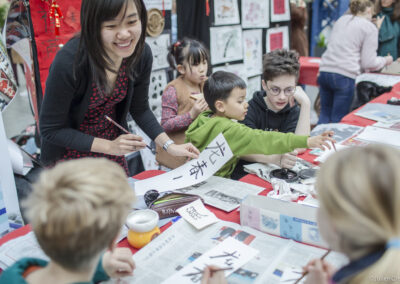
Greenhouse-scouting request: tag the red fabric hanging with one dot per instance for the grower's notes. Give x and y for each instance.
(207, 8)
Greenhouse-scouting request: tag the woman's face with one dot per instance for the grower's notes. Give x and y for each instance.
(386, 3)
(121, 34)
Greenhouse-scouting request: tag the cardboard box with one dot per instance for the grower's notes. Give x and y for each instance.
(286, 219)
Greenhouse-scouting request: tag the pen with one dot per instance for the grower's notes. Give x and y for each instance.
(123, 129)
(306, 272)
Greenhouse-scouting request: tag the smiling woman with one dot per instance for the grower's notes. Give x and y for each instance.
(103, 71)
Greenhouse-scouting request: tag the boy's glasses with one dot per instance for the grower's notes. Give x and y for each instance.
(275, 91)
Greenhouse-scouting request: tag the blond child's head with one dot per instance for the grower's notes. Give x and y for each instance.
(359, 193)
(77, 209)
(225, 94)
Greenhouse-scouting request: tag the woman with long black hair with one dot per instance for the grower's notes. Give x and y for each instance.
(103, 71)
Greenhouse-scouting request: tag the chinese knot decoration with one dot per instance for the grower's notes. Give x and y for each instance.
(55, 13)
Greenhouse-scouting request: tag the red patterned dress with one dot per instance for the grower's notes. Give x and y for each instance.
(95, 123)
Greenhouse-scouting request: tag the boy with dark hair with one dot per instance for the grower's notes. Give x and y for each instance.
(225, 94)
(280, 106)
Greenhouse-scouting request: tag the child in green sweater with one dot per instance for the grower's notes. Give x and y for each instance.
(225, 94)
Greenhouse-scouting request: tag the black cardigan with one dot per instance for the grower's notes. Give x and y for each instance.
(66, 102)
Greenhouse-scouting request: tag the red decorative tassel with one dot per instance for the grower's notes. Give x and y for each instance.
(207, 8)
(163, 9)
(55, 12)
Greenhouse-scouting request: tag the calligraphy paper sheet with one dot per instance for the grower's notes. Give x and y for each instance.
(213, 157)
(252, 47)
(197, 214)
(229, 253)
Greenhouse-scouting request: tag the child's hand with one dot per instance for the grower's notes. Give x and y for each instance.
(288, 160)
(185, 150)
(210, 277)
(118, 263)
(389, 59)
(319, 272)
(199, 106)
(300, 96)
(320, 141)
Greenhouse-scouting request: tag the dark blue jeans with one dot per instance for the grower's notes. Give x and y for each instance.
(336, 94)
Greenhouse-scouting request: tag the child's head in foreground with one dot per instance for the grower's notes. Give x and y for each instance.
(359, 193)
(280, 73)
(77, 209)
(225, 94)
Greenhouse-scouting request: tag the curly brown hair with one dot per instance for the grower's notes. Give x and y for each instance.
(280, 62)
(359, 6)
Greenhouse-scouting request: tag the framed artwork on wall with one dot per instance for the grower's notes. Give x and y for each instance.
(255, 13)
(226, 44)
(280, 10)
(277, 38)
(226, 12)
(252, 51)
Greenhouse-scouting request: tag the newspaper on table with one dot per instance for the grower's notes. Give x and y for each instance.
(263, 170)
(222, 193)
(210, 160)
(181, 244)
(380, 135)
(380, 112)
(24, 246)
(390, 125)
(342, 131)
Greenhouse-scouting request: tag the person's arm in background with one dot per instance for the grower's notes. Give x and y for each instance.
(370, 61)
(170, 120)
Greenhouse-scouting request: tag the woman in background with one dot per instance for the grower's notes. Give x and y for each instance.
(351, 50)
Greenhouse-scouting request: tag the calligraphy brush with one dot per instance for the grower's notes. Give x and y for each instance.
(122, 128)
(306, 272)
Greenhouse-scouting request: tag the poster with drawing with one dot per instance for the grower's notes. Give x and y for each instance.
(159, 47)
(226, 44)
(277, 38)
(237, 69)
(252, 51)
(255, 13)
(158, 82)
(226, 12)
(280, 10)
(253, 85)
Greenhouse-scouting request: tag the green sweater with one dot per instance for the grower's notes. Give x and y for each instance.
(241, 139)
(14, 273)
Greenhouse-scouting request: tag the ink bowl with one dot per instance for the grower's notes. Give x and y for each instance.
(142, 225)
